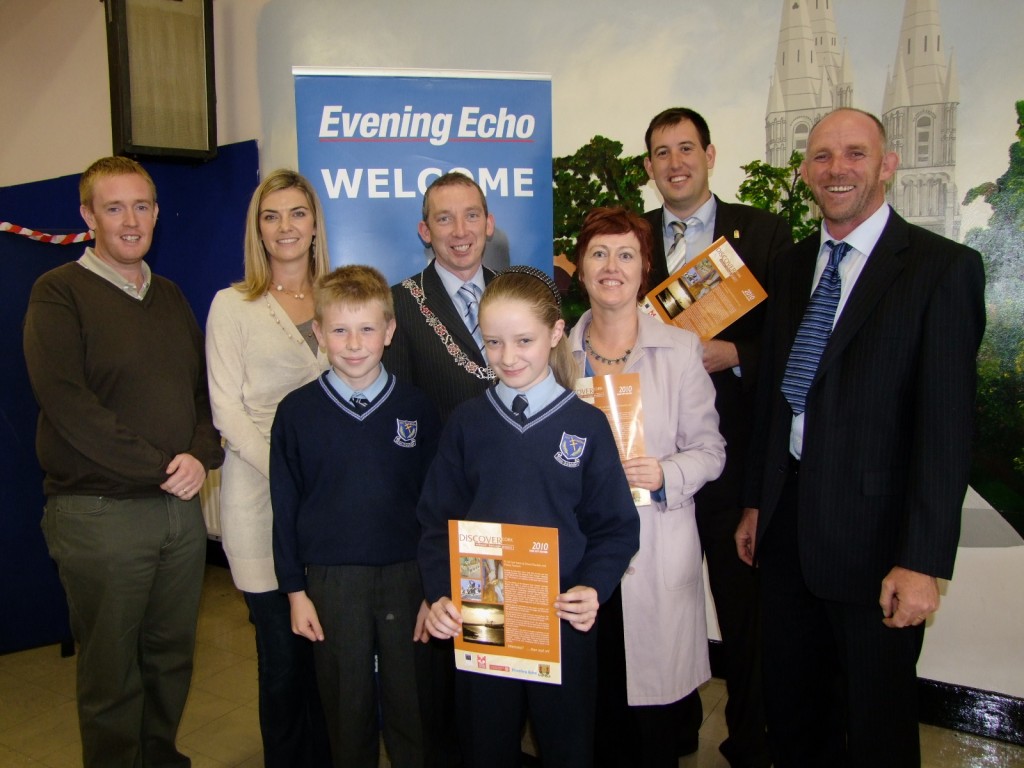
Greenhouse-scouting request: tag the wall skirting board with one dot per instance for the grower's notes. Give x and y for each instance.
(983, 713)
(957, 707)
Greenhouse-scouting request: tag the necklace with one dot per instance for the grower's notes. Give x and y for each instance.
(601, 358)
(276, 319)
(299, 295)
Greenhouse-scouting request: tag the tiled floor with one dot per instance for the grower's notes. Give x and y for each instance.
(38, 723)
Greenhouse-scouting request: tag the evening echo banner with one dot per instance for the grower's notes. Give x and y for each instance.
(372, 141)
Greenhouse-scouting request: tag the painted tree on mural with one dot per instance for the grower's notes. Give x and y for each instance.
(999, 463)
(1002, 241)
(780, 190)
(595, 175)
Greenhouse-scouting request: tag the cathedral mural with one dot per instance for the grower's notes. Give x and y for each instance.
(814, 74)
(920, 102)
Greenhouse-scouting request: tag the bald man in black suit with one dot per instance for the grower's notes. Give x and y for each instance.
(857, 475)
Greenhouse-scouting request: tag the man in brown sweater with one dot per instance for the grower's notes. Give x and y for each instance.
(125, 438)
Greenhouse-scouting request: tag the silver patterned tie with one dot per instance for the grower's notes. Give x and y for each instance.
(470, 294)
(677, 252)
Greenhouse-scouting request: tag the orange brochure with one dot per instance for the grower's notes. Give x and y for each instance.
(504, 582)
(617, 395)
(708, 293)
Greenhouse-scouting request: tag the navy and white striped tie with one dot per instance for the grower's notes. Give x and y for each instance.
(815, 329)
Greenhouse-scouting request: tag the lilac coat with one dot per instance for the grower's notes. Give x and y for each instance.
(663, 589)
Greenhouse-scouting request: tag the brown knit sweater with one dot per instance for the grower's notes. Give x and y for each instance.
(121, 384)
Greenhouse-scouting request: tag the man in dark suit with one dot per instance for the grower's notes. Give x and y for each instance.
(857, 474)
(434, 345)
(437, 347)
(679, 158)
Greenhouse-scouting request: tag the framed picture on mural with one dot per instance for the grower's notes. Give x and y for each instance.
(162, 90)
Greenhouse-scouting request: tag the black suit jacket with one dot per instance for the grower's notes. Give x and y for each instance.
(888, 426)
(758, 237)
(419, 355)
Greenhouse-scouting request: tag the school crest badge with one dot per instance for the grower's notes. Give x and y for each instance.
(406, 437)
(570, 449)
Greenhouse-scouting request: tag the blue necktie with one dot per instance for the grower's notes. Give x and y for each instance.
(359, 402)
(470, 293)
(814, 331)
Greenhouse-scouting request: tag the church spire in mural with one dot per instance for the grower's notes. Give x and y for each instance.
(919, 110)
(812, 76)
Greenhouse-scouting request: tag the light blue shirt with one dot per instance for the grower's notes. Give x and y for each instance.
(862, 242)
(700, 228)
(345, 392)
(538, 397)
(452, 283)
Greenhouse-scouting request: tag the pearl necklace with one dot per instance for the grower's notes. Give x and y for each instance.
(601, 358)
(273, 314)
(299, 295)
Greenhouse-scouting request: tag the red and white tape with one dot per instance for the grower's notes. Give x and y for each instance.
(81, 237)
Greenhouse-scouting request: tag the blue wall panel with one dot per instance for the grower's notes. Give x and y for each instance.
(198, 244)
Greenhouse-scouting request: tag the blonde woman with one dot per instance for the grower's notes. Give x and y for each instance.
(259, 347)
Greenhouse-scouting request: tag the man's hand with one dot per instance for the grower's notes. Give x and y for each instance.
(185, 476)
(746, 535)
(719, 355)
(908, 597)
(578, 606)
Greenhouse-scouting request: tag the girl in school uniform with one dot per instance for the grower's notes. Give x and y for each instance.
(528, 451)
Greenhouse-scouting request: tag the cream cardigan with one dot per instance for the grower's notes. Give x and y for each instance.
(252, 365)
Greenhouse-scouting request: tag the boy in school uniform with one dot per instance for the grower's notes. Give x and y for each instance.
(349, 452)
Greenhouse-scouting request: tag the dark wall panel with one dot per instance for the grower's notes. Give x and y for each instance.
(198, 244)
